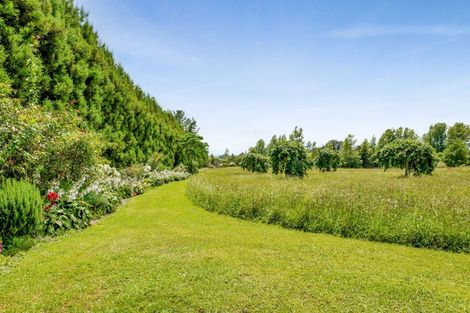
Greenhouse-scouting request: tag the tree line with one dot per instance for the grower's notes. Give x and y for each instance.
(51, 56)
(398, 147)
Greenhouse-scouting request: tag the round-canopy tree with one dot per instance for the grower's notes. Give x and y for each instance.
(408, 154)
(327, 160)
(255, 163)
(456, 154)
(289, 158)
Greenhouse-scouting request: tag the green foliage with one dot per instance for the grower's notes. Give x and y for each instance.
(51, 56)
(155, 161)
(19, 244)
(366, 154)
(67, 215)
(44, 147)
(390, 135)
(408, 154)
(456, 153)
(327, 160)
(188, 124)
(289, 157)
(369, 204)
(459, 131)
(349, 156)
(259, 148)
(255, 163)
(334, 144)
(436, 137)
(192, 152)
(20, 209)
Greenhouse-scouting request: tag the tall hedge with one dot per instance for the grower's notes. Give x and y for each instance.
(50, 55)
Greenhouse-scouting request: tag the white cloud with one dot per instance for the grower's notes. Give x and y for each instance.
(393, 30)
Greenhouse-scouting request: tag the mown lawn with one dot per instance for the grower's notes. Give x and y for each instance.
(160, 253)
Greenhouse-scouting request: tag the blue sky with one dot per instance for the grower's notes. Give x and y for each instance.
(249, 69)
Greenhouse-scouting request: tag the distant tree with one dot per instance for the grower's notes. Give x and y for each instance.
(311, 146)
(327, 160)
(456, 153)
(259, 148)
(289, 157)
(459, 131)
(436, 137)
(273, 142)
(188, 124)
(390, 135)
(366, 153)
(255, 163)
(349, 156)
(297, 135)
(373, 142)
(408, 154)
(334, 144)
(192, 152)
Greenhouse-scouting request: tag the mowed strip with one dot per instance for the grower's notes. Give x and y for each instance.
(160, 253)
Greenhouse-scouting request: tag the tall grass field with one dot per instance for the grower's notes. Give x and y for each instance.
(429, 211)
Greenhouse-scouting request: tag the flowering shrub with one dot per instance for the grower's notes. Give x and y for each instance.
(98, 193)
(41, 146)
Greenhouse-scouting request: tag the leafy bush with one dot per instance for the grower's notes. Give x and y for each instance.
(44, 147)
(20, 209)
(289, 157)
(456, 154)
(327, 160)
(67, 215)
(408, 154)
(255, 163)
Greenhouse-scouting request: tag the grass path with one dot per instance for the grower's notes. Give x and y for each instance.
(158, 253)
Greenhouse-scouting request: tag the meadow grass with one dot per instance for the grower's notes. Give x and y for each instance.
(427, 211)
(160, 253)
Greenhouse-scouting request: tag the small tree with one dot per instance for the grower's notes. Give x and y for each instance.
(436, 136)
(366, 152)
(289, 158)
(459, 131)
(255, 163)
(349, 156)
(456, 154)
(408, 154)
(259, 148)
(327, 160)
(390, 135)
(191, 152)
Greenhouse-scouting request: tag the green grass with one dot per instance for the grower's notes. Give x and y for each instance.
(160, 253)
(428, 211)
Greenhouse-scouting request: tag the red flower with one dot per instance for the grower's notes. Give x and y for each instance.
(52, 197)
